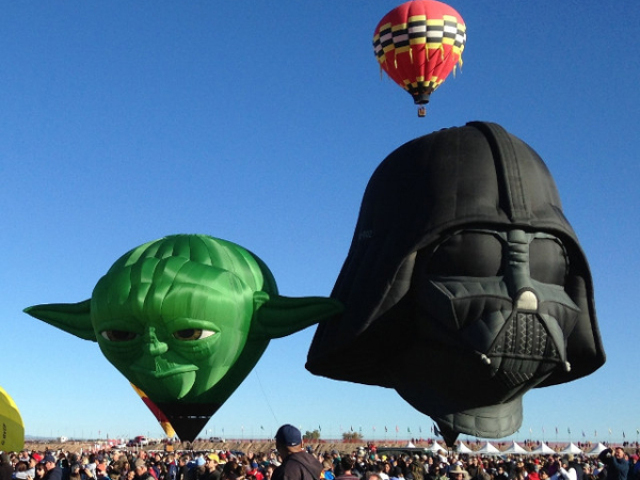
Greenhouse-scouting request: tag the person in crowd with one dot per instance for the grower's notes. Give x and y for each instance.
(40, 471)
(102, 472)
(347, 465)
(297, 464)
(456, 472)
(52, 470)
(140, 471)
(212, 472)
(616, 463)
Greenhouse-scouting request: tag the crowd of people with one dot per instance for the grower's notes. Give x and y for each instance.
(291, 460)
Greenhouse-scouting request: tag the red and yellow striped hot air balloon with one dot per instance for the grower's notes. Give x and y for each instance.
(160, 416)
(418, 44)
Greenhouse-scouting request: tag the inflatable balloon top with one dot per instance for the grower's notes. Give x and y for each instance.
(463, 259)
(185, 318)
(12, 437)
(418, 44)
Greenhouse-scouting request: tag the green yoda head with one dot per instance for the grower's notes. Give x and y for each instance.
(185, 318)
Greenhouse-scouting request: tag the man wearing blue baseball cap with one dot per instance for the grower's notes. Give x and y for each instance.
(296, 463)
(53, 471)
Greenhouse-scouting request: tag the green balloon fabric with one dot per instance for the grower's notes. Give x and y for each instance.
(185, 318)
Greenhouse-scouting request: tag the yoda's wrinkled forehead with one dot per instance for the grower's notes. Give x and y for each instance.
(139, 283)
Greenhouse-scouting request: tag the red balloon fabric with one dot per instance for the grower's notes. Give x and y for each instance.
(418, 44)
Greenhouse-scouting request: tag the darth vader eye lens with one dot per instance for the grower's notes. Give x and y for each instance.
(468, 254)
(118, 335)
(548, 261)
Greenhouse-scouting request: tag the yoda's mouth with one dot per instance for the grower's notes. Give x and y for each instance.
(167, 381)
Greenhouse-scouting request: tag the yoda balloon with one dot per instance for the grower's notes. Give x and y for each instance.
(185, 318)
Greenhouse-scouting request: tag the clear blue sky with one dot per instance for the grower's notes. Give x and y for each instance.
(261, 123)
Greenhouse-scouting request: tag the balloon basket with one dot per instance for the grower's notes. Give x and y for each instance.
(422, 111)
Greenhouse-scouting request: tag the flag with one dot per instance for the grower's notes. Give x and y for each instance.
(352, 428)
(568, 430)
(583, 434)
(435, 430)
(397, 429)
(385, 429)
(261, 427)
(374, 428)
(556, 430)
(408, 430)
(319, 428)
(623, 435)
(420, 429)
(610, 432)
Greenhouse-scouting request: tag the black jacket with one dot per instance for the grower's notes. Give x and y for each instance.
(298, 466)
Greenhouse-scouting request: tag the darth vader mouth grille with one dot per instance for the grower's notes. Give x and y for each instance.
(523, 351)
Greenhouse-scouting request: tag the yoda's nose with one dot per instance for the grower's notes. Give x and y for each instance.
(154, 346)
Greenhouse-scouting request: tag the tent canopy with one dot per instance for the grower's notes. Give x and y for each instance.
(489, 449)
(515, 449)
(572, 448)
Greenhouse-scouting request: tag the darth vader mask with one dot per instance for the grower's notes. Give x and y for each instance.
(465, 285)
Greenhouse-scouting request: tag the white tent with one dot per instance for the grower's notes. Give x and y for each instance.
(597, 449)
(410, 445)
(572, 448)
(462, 448)
(515, 449)
(543, 449)
(436, 447)
(488, 449)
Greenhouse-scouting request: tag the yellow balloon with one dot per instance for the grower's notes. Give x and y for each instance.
(12, 434)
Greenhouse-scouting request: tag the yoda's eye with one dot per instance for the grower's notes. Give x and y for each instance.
(118, 335)
(193, 334)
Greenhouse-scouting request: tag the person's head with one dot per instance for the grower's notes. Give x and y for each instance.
(618, 453)
(40, 470)
(49, 462)
(374, 476)
(288, 440)
(347, 463)
(101, 470)
(211, 463)
(458, 473)
(140, 467)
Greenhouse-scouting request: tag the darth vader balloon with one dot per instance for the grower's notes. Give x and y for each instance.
(463, 263)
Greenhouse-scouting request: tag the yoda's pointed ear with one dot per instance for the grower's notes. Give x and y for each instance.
(278, 316)
(74, 318)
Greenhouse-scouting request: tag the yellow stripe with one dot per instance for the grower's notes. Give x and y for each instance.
(400, 26)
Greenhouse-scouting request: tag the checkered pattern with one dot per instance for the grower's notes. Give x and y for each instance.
(406, 50)
(420, 31)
